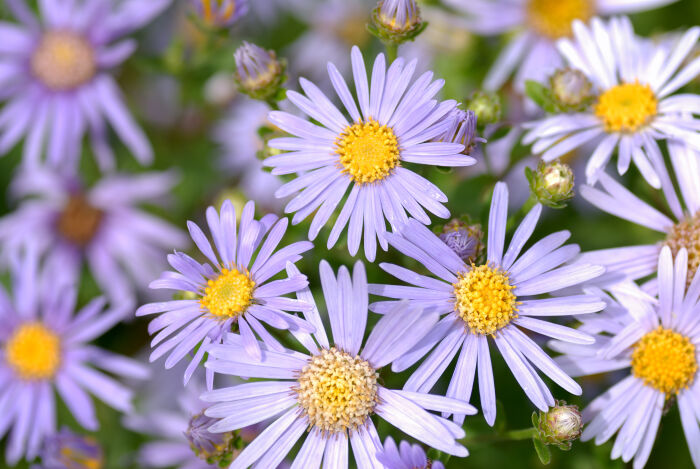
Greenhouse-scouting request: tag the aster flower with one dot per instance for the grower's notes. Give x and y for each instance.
(396, 127)
(405, 456)
(634, 80)
(122, 245)
(537, 25)
(657, 340)
(495, 299)
(44, 346)
(234, 287)
(70, 450)
(220, 13)
(330, 393)
(55, 78)
(681, 230)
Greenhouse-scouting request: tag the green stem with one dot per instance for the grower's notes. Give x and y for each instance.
(392, 51)
(273, 104)
(512, 435)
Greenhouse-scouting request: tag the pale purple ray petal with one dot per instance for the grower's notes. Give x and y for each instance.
(462, 381)
(558, 278)
(497, 223)
(435, 335)
(360, 77)
(538, 250)
(521, 236)
(336, 454)
(341, 88)
(78, 401)
(311, 452)
(365, 445)
(241, 413)
(487, 390)
(428, 373)
(264, 441)
(566, 305)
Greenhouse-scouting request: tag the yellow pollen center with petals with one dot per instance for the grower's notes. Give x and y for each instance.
(686, 234)
(626, 107)
(337, 391)
(368, 151)
(63, 60)
(552, 18)
(484, 299)
(229, 295)
(33, 352)
(665, 360)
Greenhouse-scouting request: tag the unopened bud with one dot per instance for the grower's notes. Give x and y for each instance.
(218, 449)
(462, 130)
(464, 239)
(552, 184)
(258, 72)
(560, 425)
(571, 89)
(397, 21)
(486, 106)
(70, 450)
(219, 13)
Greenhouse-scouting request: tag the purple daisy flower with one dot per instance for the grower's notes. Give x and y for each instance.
(70, 450)
(333, 389)
(395, 126)
(658, 339)
(495, 299)
(405, 456)
(44, 346)
(54, 75)
(235, 288)
(122, 244)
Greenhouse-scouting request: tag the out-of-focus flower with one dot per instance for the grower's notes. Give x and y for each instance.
(56, 81)
(656, 339)
(560, 425)
(219, 13)
(233, 288)
(329, 394)
(45, 348)
(464, 239)
(397, 21)
(552, 184)
(68, 450)
(495, 299)
(122, 245)
(486, 106)
(462, 130)
(682, 230)
(394, 125)
(537, 24)
(633, 109)
(405, 456)
(258, 72)
(571, 89)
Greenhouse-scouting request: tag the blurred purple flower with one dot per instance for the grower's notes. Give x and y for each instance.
(122, 245)
(44, 346)
(54, 76)
(69, 450)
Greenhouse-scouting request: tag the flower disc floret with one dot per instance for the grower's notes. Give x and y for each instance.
(229, 295)
(33, 352)
(627, 107)
(368, 151)
(63, 60)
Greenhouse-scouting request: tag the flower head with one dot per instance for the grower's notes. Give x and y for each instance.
(329, 394)
(492, 300)
(69, 450)
(394, 125)
(552, 184)
(258, 72)
(397, 21)
(560, 425)
(232, 289)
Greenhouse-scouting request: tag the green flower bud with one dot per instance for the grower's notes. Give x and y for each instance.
(258, 72)
(552, 184)
(396, 21)
(571, 89)
(486, 105)
(218, 449)
(560, 425)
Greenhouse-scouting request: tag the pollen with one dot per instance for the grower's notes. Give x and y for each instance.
(368, 151)
(552, 18)
(484, 299)
(686, 234)
(665, 360)
(79, 221)
(336, 391)
(63, 60)
(229, 295)
(33, 352)
(627, 107)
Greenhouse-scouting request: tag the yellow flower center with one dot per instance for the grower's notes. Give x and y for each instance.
(552, 18)
(337, 391)
(484, 299)
(626, 107)
(368, 151)
(665, 360)
(229, 295)
(686, 234)
(33, 352)
(63, 60)
(79, 221)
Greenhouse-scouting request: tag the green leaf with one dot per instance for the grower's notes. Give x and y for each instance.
(541, 95)
(542, 451)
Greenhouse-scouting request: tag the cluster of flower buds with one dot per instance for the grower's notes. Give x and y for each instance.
(219, 13)
(259, 73)
(552, 184)
(559, 426)
(464, 239)
(396, 21)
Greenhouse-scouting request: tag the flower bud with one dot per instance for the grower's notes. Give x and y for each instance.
(258, 72)
(397, 21)
(571, 89)
(73, 451)
(552, 184)
(560, 425)
(462, 130)
(218, 449)
(464, 239)
(219, 13)
(486, 105)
